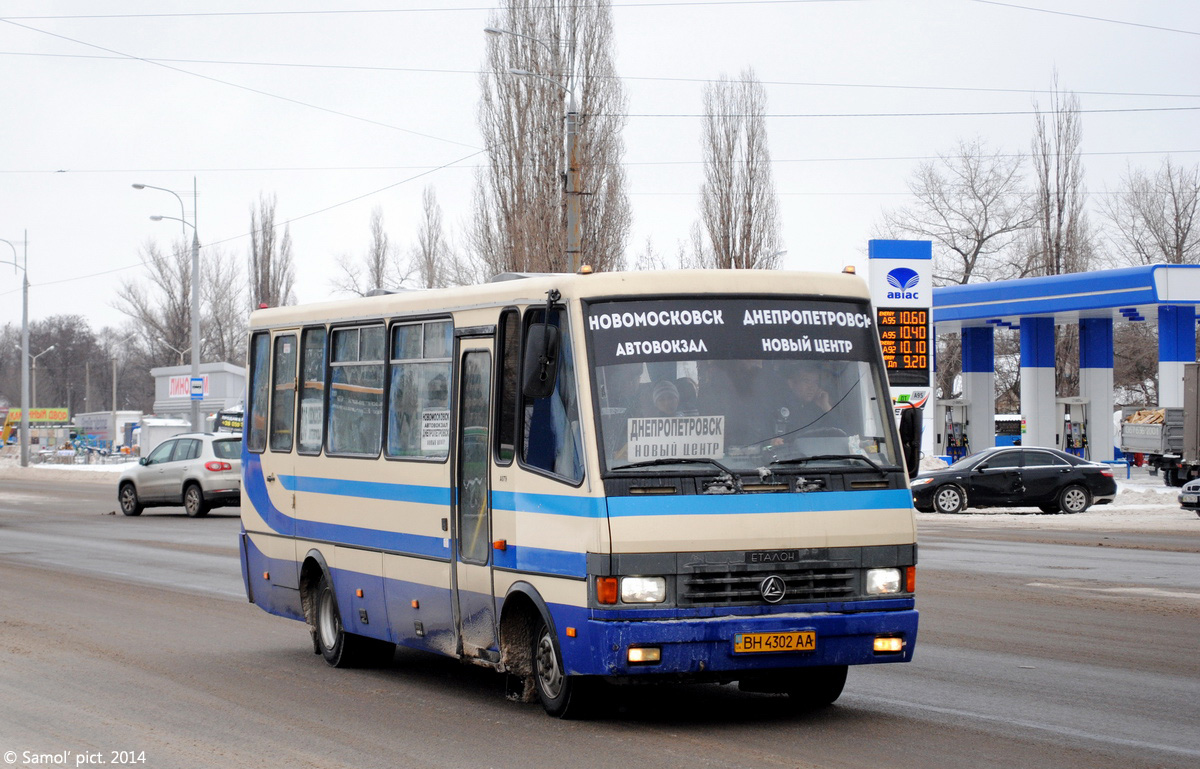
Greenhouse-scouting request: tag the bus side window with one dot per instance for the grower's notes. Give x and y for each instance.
(419, 401)
(506, 387)
(312, 391)
(256, 417)
(551, 438)
(283, 400)
(356, 390)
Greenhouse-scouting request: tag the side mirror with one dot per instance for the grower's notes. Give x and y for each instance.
(539, 368)
(143, 461)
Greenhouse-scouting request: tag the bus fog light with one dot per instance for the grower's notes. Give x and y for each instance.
(883, 581)
(643, 589)
(640, 655)
(888, 645)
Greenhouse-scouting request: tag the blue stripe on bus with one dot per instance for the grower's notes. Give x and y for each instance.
(256, 490)
(393, 492)
(550, 504)
(743, 504)
(541, 560)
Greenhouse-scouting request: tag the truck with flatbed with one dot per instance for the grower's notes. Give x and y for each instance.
(1168, 437)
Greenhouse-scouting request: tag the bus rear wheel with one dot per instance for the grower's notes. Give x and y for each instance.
(339, 648)
(815, 688)
(562, 695)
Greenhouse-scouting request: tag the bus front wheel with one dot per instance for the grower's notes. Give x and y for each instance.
(562, 695)
(817, 687)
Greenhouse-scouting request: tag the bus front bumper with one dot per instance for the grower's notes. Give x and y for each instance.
(706, 647)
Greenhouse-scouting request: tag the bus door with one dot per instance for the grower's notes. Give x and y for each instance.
(474, 603)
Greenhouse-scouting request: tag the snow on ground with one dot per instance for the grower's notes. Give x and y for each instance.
(1143, 502)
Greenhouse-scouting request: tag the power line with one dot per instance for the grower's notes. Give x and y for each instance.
(900, 114)
(638, 78)
(346, 202)
(354, 199)
(443, 9)
(628, 164)
(1089, 18)
(238, 85)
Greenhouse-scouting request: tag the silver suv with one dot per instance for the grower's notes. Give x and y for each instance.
(197, 470)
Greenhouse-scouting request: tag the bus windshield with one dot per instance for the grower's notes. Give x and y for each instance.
(740, 383)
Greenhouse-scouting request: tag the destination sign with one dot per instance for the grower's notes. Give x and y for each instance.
(724, 329)
(904, 338)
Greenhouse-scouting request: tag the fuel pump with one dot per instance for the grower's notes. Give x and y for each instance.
(1073, 438)
(950, 421)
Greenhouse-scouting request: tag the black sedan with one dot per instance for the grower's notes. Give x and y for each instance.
(1015, 476)
(1189, 497)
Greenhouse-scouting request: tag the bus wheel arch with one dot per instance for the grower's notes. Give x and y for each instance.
(311, 572)
(523, 613)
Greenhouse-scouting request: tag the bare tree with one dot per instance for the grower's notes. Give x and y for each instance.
(162, 310)
(435, 262)
(650, 258)
(272, 272)
(519, 220)
(379, 268)
(223, 318)
(738, 207)
(1061, 240)
(970, 204)
(1154, 217)
(1135, 364)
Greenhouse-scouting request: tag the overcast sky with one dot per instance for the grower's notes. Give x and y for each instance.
(338, 107)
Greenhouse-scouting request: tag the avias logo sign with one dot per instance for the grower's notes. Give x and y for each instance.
(903, 279)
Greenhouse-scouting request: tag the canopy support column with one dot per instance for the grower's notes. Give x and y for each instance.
(1037, 383)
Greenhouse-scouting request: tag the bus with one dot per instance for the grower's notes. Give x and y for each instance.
(583, 479)
(1008, 429)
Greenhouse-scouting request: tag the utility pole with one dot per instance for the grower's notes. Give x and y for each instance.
(574, 236)
(196, 426)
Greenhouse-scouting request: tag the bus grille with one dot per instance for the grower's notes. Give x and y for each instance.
(741, 588)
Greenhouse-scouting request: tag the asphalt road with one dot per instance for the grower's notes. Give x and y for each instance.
(133, 634)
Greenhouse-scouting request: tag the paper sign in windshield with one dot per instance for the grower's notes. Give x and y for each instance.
(686, 437)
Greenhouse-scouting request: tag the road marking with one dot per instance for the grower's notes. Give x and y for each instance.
(1149, 592)
(1037, 725)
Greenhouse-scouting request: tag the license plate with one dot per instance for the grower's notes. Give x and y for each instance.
(1190, 499)
(798, 641)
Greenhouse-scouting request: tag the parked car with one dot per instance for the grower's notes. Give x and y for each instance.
(1051, 480)
(1189, 497)
(197, 470)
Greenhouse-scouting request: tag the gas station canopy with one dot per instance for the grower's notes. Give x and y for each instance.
(1161, 295)
(1133, 294)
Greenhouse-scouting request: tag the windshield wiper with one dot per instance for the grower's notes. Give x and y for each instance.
(677, 461)
(816, 457)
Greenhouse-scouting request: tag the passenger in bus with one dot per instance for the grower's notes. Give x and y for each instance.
(666, 399)
(806, 400)
(688, 396)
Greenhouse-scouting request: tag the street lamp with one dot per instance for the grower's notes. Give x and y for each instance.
(24, 343)
(180, 352)
(33, 367)
(195, 283)
(572, 140)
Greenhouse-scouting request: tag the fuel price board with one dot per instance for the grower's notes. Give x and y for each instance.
(904, 337)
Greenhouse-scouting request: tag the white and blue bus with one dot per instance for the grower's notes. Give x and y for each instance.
(687, 475)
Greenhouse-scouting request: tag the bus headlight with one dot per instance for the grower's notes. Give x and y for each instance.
(883, 581)
(643, 589)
